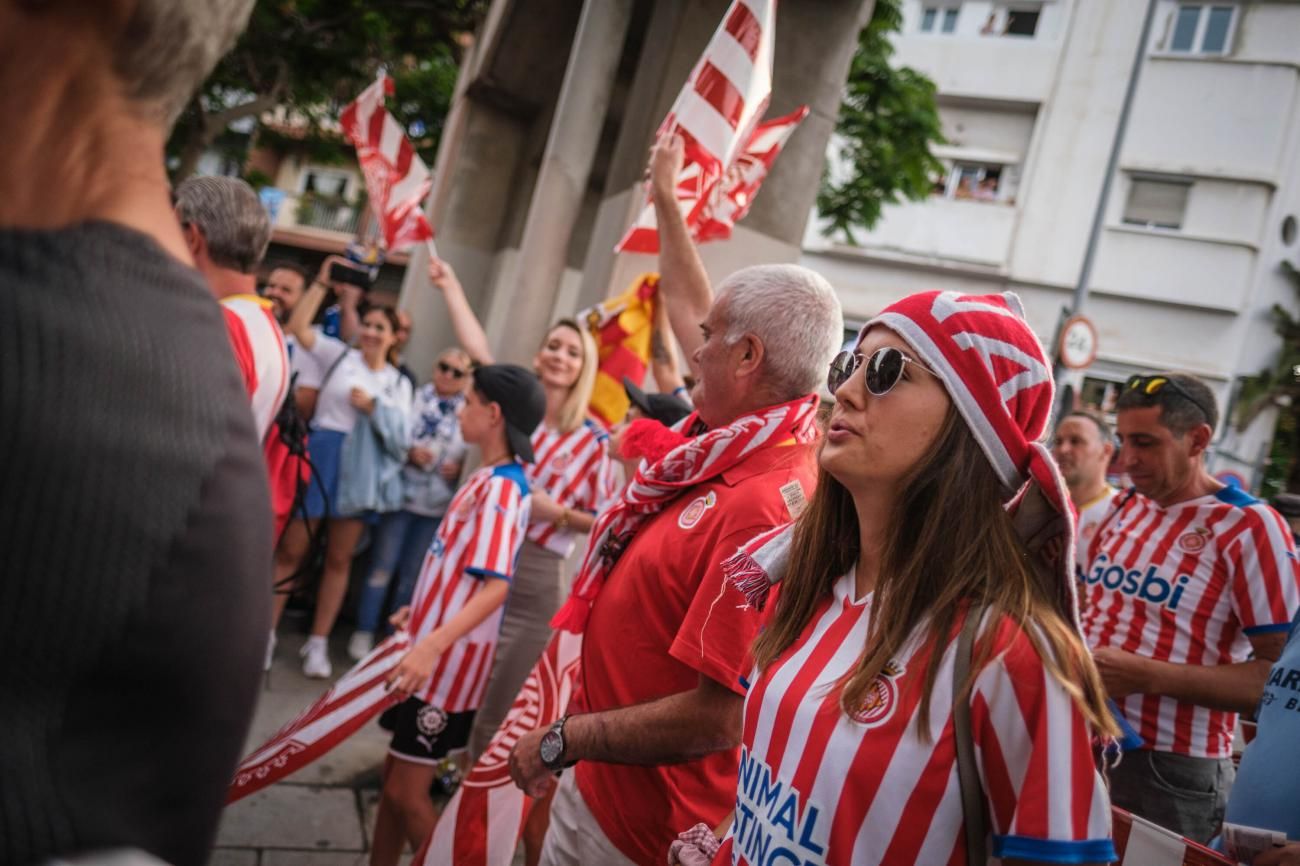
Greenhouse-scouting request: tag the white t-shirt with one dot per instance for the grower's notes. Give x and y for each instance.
(303, 364)
(334, 409)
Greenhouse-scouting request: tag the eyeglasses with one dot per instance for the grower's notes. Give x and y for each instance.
(453, 372)
(1152, 385)
(884, 369)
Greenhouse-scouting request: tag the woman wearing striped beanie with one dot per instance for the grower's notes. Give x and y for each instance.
(937, 506)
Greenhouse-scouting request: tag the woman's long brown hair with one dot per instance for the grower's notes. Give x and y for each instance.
(950, 543)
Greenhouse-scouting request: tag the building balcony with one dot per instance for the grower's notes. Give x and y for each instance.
(973, 232)
(983, 68)
(1172, 267)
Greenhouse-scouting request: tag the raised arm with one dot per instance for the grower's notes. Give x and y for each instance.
(299, 324)
(469, 331)
(683, 282)
(663, 354)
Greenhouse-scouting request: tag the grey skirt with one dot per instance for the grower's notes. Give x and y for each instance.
(535, 595)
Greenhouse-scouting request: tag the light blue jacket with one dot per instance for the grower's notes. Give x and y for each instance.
(370, 466)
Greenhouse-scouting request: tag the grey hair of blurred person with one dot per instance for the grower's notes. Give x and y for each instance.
(168, 47)
(231, 217)
(796, 315)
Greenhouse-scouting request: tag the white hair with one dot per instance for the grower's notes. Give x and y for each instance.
(796, 315)
(169, 46)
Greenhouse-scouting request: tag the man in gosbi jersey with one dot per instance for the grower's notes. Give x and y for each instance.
(1082, 447)
(1190, 592)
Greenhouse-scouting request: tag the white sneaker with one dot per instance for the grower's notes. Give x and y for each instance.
(270, 651)
(316, 660)
(360, 645)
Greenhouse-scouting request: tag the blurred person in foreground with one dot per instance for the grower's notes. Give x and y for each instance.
(132, 493)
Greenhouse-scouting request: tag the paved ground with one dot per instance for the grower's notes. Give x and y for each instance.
(322, 815)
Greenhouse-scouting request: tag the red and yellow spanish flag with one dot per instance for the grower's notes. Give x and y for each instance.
(621, 327)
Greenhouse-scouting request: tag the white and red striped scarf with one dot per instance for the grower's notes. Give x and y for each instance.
(655, 485)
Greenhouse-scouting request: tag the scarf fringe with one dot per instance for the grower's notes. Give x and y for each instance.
(573, 616)
(744, 573)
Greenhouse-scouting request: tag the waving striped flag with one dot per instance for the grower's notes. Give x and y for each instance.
(357, 697)
(397, 180)
(736, 190)
(1142, 843)
(716, 112)
(482, 824)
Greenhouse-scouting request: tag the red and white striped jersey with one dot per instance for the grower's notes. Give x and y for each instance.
(817, 785)
(576, 471)
(1189, 584)
(478, 540)
(259, 350)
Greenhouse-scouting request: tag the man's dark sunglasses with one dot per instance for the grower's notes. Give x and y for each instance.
(1152, 385)
(453, 372)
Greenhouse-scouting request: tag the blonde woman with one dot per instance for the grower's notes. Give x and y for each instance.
(571, 480)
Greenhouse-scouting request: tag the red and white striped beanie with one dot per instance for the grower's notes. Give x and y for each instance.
(998, 376)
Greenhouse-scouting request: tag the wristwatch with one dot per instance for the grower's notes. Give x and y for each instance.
(552, 747)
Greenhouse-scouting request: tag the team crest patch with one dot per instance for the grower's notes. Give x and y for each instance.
(1194, 541)
(881, 699)
(692, 513)
(431, 720)
(561, 462)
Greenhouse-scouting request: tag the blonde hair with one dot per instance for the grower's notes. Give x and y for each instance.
(574, 411)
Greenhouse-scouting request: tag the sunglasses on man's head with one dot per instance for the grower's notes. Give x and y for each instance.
(453, 372)
(1152, 385)
(884, 369)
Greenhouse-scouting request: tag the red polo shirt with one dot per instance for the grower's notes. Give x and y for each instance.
(663, 618)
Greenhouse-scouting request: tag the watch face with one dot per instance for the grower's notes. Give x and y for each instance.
(551, 747)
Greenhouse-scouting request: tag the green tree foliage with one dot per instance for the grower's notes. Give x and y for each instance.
(1279, 386)
(312, 57)
(887, 123)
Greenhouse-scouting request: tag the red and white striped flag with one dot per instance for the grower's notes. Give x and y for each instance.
(357, 697)
(482, 824)
(716, 112)
(1142, 843)
(397, 180)
(738, 187)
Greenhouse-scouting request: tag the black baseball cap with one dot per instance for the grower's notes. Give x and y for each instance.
(523, 403)
(664, 408)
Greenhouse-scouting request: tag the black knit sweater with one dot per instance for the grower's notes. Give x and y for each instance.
(135, 549)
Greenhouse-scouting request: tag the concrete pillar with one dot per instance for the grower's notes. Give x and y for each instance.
(562, 181)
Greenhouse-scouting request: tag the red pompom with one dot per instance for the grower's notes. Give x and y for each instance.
(646, 437)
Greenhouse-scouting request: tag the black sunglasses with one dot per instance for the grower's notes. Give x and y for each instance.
(453, 372)
(884, 369)
(1152, 385)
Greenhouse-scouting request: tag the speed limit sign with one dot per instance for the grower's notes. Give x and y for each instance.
(1078, 348)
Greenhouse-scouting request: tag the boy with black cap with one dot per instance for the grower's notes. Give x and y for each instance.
(455, 614)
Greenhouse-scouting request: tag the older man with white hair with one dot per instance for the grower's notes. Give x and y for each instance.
(133, 500)
(655, 722)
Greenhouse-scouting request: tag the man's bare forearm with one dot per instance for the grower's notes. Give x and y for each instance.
(1232, 688)
(670, 730)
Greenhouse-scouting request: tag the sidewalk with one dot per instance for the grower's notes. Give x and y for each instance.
(322, 815)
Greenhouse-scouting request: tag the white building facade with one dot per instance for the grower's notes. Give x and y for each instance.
(1203, 204)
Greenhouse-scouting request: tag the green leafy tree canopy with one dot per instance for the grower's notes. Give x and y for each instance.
(887, 123)
(311, 57)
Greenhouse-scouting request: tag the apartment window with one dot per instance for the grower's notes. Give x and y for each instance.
(324, 182)
(1156, 203)
(1200, 28)
(1021, 22)
(971, 181)
(940, 19)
